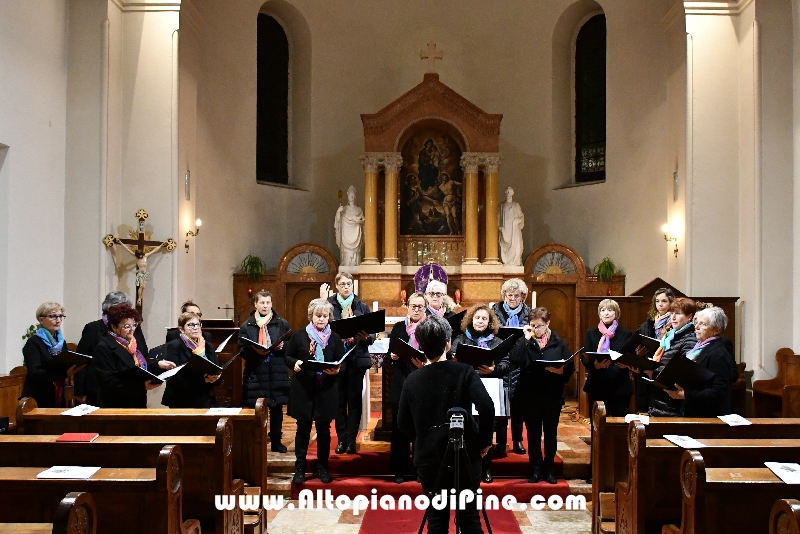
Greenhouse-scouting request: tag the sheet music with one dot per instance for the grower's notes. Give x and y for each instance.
(222, 345)
(683, 441)
(169, 374)
(81, 409)
(789, 473)
(69, 471)
(644, 419)
(735, 419)
(223, 411)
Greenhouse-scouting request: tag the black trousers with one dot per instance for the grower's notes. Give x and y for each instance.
(303, 438)
(439, 520)
(616, 405)
(348, 415)
(542, 416)
(276, 423)
(400, 449)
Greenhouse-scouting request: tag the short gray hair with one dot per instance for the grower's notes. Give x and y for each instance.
(433, 284)
(317, 304)
(514, 284)
(715, 316)
(116, 298)
(432, 335)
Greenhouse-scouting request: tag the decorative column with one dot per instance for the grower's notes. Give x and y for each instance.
(470, 163)
(370, 163)
(491, 168)
(392, 163)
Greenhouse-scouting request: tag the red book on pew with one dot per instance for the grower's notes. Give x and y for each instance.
(77, 437)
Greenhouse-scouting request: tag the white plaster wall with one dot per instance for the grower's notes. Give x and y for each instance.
(33, 77)
(795, 175)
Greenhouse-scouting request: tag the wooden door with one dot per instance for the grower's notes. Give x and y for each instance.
(298, 296)
(560, 301)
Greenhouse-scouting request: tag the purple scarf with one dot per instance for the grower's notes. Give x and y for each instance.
(608, 335)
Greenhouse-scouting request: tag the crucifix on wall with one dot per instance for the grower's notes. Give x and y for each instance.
(431, 54)
(141, 247)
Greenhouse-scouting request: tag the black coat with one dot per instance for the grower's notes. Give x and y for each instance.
(112, 392)
(647, 328)
(265, 379)
(308, 400)
(614, 381)
(360, 357)
(39, 382)
(536, 384)
(188, 389)
(401, 369)
(715, 399)
(85, 380)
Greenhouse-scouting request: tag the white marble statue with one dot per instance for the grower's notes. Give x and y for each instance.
(349, 226)
(511, 221)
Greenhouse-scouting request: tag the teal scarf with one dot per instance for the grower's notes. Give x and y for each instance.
(346, 305)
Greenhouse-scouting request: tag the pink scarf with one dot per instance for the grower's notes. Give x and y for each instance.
(411, 329)
(544, 339)
(608, 335)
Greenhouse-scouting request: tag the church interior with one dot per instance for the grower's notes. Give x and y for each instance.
(208, 150)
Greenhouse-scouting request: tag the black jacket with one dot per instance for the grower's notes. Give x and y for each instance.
(715, 398)
(360, 358)
(110, 358)
(401, 369)
(463, 339)
(264, 379)
(614, 381)
(85, 382)
(661, 404)
(39, 382)
(536, 384)
(188, 389)
(427, 396)
(310, 401)
(498, 310)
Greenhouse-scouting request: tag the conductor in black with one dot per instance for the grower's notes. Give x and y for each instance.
(428, 394)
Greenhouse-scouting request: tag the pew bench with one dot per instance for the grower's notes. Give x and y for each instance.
(784, 517)
(75, 514)
(207, 468)
(779, 396)
(128, 500)
(727, 500)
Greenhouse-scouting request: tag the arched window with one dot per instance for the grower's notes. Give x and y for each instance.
(590, 101)
(272, 115)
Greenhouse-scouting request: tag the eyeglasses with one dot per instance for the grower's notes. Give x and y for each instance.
(437, 294)
(344, 284)
(193, 325)
(538, 326)
(56, 317)
(127, 327)
(417, 306)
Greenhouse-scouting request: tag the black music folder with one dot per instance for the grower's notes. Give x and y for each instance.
(156, 353)
(477, 356)
(314, 365)
(557, 363)
(637, 339)
(135, 374)
(684, 372)
(371, 323)
(455, 322)
(405, 351)
(201, 365)
(632, 360)
(275, 343)
(62, 361)
(511, 331)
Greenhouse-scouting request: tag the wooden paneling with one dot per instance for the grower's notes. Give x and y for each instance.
(10, 392)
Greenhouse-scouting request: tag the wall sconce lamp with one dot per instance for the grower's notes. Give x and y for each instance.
(190, 233)
(669, 238)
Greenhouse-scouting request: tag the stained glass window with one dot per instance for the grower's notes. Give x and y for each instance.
(590, 101)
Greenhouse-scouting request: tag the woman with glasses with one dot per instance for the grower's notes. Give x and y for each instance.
(175, 333)
(436, 296)
(190, 389)
(348, 416)
(46, 387)
(117, 352)
(400, 452)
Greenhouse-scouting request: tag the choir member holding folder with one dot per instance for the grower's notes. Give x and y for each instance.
(679, 339)
(513, 313)
(118, 352)
(265, 371)
(400, 452)
(189, 388)
(541, 388)
(46, 385)
(605, 381)
(346, 304)
(315, 394)
(656, 326)
(188, 306)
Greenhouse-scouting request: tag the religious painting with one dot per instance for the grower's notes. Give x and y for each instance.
(431, 193)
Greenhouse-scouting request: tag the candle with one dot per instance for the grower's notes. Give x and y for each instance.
(355, 287)
(533, 299)
(374, 305)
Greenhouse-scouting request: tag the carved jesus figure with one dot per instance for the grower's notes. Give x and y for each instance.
(510, 220)
(141, 267)
(348, 224)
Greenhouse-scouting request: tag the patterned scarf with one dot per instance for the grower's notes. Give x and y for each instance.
(104, 318)
(542, 341)
(130, 346)
(666, 341)
(695, 352)
(608, 334)
(198, 348)
(513, 314)
(411, 329)
(319, 340)
(662, 324)
(439, 312)
(263, 333)
(481, 341)
(346, 304)
(54, 344)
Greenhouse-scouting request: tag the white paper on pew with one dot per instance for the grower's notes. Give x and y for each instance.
(683, 441)
(222, 345)
(734, 419)
(69, 471)
(644, 419)
(789, 473)
(172, 372)
(224, 411)
(81, 409)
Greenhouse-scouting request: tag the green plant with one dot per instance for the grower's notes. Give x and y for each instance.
(253, 267)
(605, 270)
(31, 332)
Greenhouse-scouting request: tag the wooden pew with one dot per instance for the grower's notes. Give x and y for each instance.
(75, 514)
(610, 449)
(727, 500)
(10, 392)
(249, 438)
(128, 501)
(651, 496)
(207, 469)
(785, 517)
(779, 396)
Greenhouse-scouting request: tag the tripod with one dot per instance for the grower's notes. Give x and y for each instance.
(457, 453)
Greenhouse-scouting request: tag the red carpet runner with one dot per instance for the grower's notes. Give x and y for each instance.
(407, 521)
